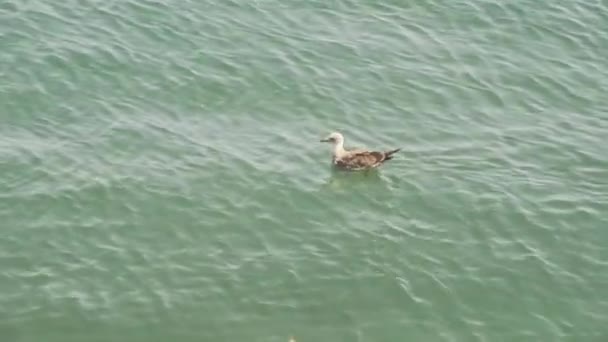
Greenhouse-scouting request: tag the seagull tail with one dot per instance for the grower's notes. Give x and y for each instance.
(389, 154)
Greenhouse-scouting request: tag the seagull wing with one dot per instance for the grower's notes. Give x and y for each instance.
(361, 160)
(357, 160)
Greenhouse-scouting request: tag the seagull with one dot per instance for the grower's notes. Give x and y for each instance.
(355, 159)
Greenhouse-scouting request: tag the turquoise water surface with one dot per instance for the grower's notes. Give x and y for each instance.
(162, 179)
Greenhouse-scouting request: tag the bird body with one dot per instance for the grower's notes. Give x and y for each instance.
(355, 159)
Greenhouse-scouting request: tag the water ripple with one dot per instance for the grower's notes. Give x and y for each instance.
(148, 176)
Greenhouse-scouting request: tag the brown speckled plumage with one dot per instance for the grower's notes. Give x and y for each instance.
(354, 160)
(364, 160)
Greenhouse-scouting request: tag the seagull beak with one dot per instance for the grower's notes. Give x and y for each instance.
(324, 140)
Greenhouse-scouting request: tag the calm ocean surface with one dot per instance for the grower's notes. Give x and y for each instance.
(161, 176)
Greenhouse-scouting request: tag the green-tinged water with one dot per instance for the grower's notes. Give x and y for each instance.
(162, 179)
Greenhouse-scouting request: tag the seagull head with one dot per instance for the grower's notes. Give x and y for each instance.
(335, 138)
